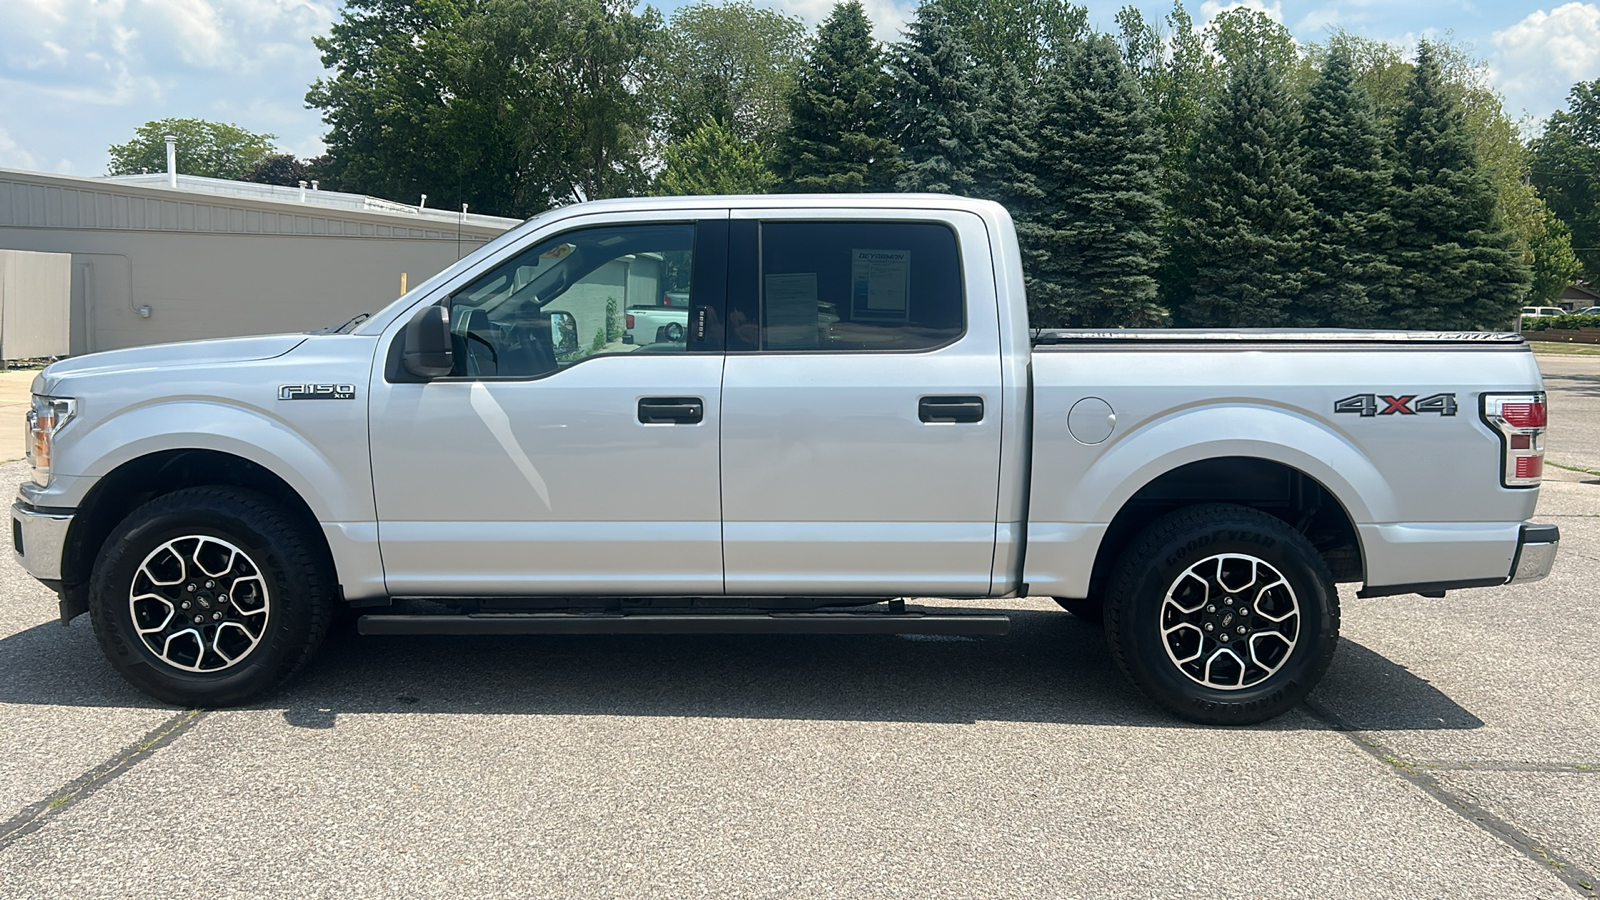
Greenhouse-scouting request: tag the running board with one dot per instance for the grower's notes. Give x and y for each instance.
(944, 621)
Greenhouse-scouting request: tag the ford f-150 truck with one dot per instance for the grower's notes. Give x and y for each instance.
(858, 414)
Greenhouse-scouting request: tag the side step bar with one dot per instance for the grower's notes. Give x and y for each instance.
(943, 621)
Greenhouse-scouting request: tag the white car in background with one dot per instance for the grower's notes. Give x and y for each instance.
(663, 323)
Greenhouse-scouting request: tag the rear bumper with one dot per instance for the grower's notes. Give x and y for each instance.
(39, 538)
(1536, 553)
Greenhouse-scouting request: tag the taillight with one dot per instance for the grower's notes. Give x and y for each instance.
(629, 319)
(1520, 420)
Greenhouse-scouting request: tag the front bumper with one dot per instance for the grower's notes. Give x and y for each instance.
(1536, 553)
(39, 537)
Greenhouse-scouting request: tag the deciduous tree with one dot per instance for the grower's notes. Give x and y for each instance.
(208, 149)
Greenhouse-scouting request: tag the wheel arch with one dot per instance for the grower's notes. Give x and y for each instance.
(144, 478)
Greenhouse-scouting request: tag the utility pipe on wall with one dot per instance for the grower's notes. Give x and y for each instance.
(172, 160)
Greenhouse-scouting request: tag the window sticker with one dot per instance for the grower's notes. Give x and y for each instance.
(880, 283)
(791, 311)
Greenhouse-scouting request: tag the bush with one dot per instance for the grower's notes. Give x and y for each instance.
(1560, 323)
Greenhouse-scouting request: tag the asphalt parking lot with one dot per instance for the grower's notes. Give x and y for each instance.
(1453, 750)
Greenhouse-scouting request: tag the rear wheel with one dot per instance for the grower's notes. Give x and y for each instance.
(210, 596)
(1223, 614)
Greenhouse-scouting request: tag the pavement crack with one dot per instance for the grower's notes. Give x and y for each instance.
(38, 814)
(1570, 874)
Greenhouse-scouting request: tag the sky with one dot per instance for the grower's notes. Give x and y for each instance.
(79, 75)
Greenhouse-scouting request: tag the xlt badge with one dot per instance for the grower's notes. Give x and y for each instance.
(317, 392)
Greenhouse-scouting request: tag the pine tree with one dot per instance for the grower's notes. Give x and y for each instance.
(937, 105)
(838, 136)
(1243, 230)
(1092, 242)
(1461, 266)
(1350, 275)
(1008, 152)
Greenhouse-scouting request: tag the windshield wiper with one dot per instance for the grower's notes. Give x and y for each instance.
(357, 319)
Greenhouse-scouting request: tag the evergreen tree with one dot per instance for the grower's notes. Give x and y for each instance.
(1350, 272)
(1092, 243)
(937, 104)
(1008, 152)
(838, 136)
(1244, 226)
(1461, 266)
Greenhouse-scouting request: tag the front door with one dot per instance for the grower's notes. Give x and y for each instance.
(557, 458)
(860, 406)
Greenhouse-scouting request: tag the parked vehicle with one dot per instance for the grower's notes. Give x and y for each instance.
(1591, 311)
(859, 412)
(1542, 312)
(665, 322)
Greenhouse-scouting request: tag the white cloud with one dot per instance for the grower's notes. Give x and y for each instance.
(1537, 60)
(79, 75)
(14, 156)
(888, 16)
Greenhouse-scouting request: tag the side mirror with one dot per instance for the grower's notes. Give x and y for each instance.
(427, 352)
(564, 331)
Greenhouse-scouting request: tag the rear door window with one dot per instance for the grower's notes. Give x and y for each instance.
(858, 286)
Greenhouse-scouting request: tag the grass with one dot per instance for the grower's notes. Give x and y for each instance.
(1558, 348)
(1572, 468)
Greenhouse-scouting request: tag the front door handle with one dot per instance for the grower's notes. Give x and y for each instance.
(950, 409)
(671, 410)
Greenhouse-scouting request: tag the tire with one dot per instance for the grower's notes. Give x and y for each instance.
(1167, 631)
(247, 644)
(1089, 609)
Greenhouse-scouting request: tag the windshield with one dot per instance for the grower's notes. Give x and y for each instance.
(379, 320)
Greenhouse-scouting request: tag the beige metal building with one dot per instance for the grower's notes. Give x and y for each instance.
(153, 262)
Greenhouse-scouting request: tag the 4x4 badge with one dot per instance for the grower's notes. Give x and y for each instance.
(1397, 404)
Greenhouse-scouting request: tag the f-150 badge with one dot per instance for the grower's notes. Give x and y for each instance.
(317, 392)
(1399, 404)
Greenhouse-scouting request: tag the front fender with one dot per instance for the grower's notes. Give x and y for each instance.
(326, 485)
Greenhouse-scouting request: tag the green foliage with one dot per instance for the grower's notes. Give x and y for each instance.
(1560, 323)
(614, 323)
(1461, 265)
(512, 106)
(1350, 276)
(938, 106)
(838, 137)
(1008, 149)
(712, 160)
(1243, 229)
(209, 149)
(598, 345)
(1091, 242)
(1566, 169)
(281, 169)
(1555, 265)
(1028, 35)
(729, 62)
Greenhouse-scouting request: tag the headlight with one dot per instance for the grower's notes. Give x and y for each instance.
(48, 416)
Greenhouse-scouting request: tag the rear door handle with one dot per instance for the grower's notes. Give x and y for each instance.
(671, 410)
(950, 409)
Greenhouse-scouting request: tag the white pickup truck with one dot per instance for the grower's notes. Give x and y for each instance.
(859, 414)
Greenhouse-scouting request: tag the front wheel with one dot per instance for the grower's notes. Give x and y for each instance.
(210, 596)
(1223, 614)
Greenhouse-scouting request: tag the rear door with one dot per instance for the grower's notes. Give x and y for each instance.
(860, 405)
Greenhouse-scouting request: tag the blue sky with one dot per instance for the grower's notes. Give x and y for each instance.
(79, 75)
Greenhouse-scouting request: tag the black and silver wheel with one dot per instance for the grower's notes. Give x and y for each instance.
(210, 596)
(1223, 614)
